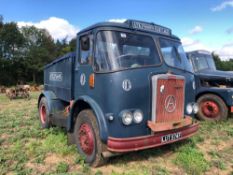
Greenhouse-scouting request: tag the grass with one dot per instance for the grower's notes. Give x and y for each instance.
(27, 149)
(23, 142)
(62, 167)
(192, 160)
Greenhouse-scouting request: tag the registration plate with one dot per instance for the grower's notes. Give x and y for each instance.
(170, 137)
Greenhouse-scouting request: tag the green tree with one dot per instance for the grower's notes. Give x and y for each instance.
(225, 65)
(11, 40)
(25, 51)
(40, 50)
(72, 45)
(11, 44)
(1, 21)
(63, 47)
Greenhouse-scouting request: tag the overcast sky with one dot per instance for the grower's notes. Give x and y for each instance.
(201, 24)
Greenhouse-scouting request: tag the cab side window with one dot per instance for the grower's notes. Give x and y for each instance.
(85, 50)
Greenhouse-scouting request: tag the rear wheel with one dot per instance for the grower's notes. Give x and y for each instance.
(212, 108)
(44, 113)
(87, 138)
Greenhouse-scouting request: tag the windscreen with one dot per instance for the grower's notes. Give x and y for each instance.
(121, 50)
(174, 55)
(202, 62)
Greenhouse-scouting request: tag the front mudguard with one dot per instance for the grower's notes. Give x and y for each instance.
(103, 130)
(226, 94)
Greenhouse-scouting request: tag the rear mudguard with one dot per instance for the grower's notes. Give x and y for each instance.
(98, 113)
(55, 105)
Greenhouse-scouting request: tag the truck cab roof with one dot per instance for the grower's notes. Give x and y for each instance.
(199, 52)
(134, 25)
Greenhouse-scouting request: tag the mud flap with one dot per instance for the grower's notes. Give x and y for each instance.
(70, 138)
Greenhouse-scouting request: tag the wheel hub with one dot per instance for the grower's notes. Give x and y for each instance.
(86, 139)
(43, 113)
(210, 109)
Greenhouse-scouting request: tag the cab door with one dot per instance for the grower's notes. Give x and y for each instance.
(83, 67)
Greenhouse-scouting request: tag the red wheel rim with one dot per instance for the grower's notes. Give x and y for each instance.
(86, 138)
(43, 113)
(210, 109)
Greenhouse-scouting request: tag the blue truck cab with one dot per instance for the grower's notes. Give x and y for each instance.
(128, 87)
(214, 91)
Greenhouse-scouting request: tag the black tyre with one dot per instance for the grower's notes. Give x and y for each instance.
(44, 113)
(212, 108)
(87, 139)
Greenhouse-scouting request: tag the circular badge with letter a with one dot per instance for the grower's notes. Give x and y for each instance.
(170, 103)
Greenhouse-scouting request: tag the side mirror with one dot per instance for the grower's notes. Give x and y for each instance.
(85, 43)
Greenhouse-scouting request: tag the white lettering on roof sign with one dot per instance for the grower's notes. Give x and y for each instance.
(151, 27)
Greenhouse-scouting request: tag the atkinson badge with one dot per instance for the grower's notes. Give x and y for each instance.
(126, 85)
(55, 76)
(170, 103)
(82, 79)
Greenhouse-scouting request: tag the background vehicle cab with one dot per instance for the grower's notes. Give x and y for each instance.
(214, 92)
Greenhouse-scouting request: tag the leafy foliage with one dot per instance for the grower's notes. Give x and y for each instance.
(226, 65)
(39, 50)
(24, 52)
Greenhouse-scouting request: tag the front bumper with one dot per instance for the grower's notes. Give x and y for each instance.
(121, 145)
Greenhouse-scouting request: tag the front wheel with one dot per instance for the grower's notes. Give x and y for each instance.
(212, 108)
(87, 138)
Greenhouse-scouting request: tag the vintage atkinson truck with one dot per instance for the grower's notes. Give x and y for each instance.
(128, 87)
(214, 92)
